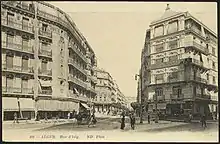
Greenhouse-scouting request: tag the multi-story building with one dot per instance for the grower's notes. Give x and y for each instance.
(109, 98)
(47, 64)
(179, 65)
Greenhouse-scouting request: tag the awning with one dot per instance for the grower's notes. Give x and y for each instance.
(45, 83)
(9, 104)
(26, 104)
(85, 106)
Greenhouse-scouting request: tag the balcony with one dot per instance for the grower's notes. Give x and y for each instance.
(17, 47)
(45, 34)
(203, 97)
(11, 23)
(45, 92)
(20, 69)
(165, 64)
(201, 80)
(77, 81)
(159, 98)
(80, 54)
(78, 97)
(176, 96)
(73, 63)
(21, 6)
(198, 47)
(10, 90)
(45, 72)
(47, 53)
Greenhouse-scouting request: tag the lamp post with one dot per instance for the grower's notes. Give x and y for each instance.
(141, 112)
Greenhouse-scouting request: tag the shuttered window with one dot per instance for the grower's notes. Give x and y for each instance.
(24, 64)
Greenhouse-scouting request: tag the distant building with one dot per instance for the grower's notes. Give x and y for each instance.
(180, 65)
(109, 97)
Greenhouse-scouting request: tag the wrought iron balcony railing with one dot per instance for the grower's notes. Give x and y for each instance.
(77, 81)
(159, 98)
(203, 96)
(80, 54)
(17, 25)
(17, 47)
(72, 62)
(45, 92)
(78, 97)
(165, 64)
(47, 34)
(17, 90)
(16, 68)
(45, 72)
(176, 96)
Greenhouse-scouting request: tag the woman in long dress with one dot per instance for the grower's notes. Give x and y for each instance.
(123, 122)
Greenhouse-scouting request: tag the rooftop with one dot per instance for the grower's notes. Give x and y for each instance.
(168, 13)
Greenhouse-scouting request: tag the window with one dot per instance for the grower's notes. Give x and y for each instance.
(104, 98)
(159, 77)
(9, 82)
(207, 75)
(10, 38)
(172, 27)
(173, 75)
(173, 58)
(213, 50)
(160, 60)
(44, 27)
(173, 44)
(159, 47)
(25, 22)
(24, 84)
(9, 61)
(25, 43)
(24, 63)
(213, 65)
(214, 80)
(177, 90)
(159, 31)
(10, 18)
(44, 66)
(159, 91)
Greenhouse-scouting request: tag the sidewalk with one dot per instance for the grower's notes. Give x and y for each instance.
(157, 126)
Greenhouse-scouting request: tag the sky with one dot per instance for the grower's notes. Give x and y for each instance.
(116, 31)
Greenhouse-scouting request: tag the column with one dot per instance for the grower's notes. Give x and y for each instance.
(152, 32)
(165, 25)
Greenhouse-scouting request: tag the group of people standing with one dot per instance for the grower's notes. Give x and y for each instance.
(132, 120)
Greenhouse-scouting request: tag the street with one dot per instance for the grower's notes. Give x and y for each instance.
(108, 129)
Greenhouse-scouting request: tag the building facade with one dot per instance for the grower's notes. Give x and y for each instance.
(179, 66)
(48, 67)
(109, 98)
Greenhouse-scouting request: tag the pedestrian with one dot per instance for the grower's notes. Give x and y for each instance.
(132, 121)
(68, 115)
(45, 116)
(123, 122)
(203, 121)
(15, 118)
(148, 118)
(92, 120)
(190, 117)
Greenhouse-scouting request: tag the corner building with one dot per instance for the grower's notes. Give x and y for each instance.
(180, 66)
(47, 64)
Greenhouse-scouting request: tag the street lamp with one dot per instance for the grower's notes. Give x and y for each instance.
(141, 112)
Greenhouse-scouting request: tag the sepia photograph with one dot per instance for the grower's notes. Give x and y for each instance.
(109, 71)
